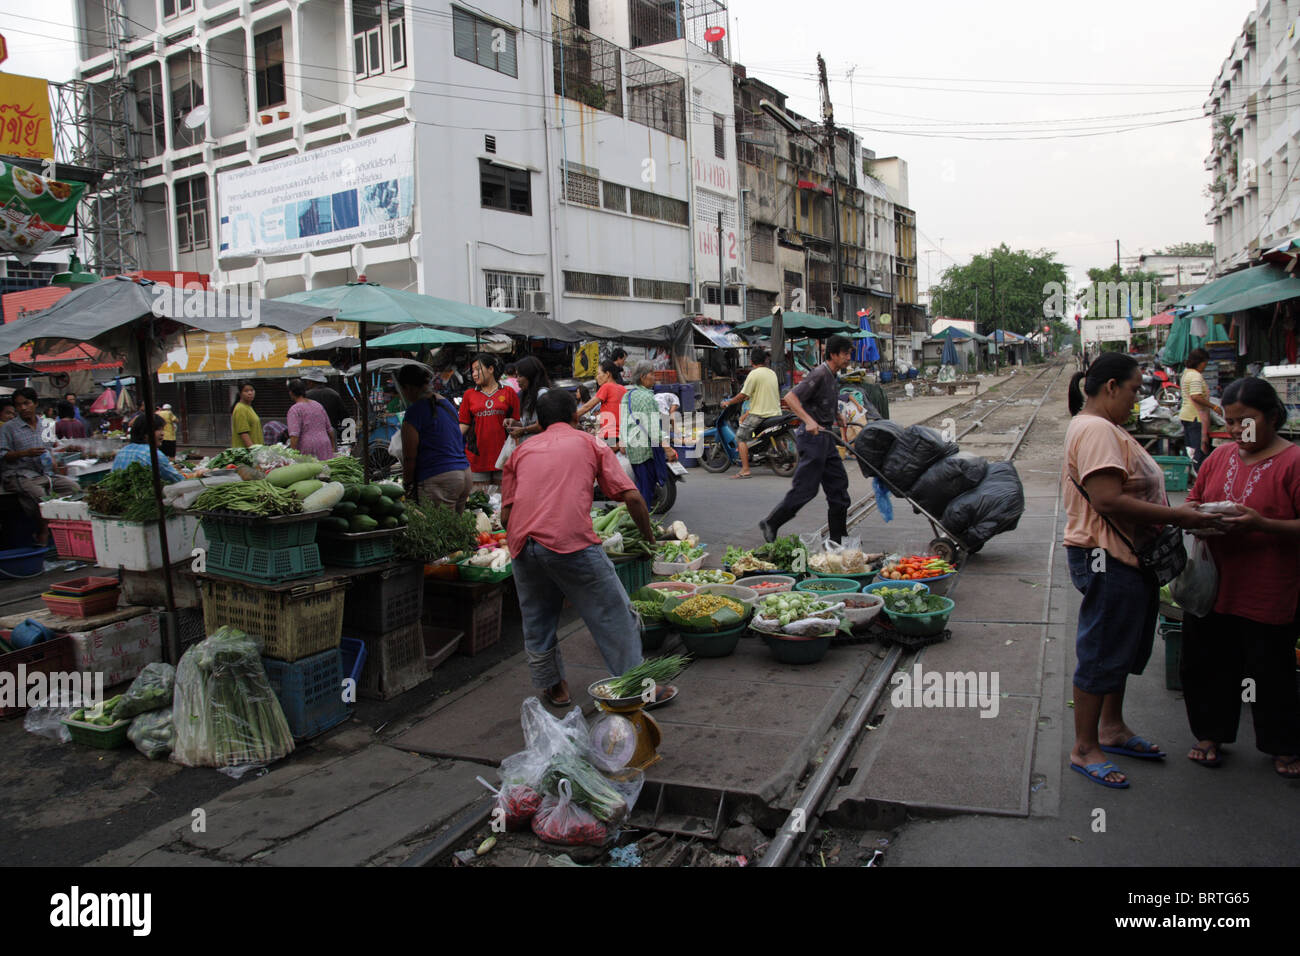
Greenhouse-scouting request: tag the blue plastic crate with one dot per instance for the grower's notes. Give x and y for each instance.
(354, 658)
(310, 691)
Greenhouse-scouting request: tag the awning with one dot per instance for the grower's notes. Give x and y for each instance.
(248, 352)
(1263, 295)
(1233, 284)
(720, 336)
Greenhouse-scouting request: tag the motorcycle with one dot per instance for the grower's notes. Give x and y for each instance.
(665, 495)
(772, 446)
(1157, 384)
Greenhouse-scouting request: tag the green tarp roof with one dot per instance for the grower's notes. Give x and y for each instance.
(1233, 284)
(1266, 294)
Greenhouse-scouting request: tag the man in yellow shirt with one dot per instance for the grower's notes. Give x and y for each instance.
(169, 430)
(764, 394)
(1195, 413)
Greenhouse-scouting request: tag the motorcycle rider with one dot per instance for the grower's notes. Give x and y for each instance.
(764, 394)
(816, 401)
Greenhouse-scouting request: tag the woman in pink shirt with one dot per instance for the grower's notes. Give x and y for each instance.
(609, 395)
(1251, 630)
(309, 424)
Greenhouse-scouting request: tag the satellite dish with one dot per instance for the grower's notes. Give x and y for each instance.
(197, 116)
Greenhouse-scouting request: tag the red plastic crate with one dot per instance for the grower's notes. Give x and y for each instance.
(98, 603)
(46, 657)
(73, 539)
(665, 376)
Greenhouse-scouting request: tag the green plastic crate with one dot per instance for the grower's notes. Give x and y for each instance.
(93, 735)
(346, 553)
(261, 565)
(268, 537)
(1177, 469)
(633, 573)
(469, 572)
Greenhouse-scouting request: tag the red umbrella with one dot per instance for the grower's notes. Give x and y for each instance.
(1164, 318)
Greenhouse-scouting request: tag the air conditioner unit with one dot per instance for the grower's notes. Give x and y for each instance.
(539, 302)
(692, 305)
(735, 275)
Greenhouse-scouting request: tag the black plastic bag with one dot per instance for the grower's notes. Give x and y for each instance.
(915, 450)
(874, 442)
(992, 507)
(946, 479)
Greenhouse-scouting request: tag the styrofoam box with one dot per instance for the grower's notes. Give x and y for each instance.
(65, 509)
(135, 546)
(117, 647)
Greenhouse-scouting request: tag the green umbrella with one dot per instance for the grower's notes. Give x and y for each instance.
(864, 334)
(372, 303)
(417, 338)
(799, 324)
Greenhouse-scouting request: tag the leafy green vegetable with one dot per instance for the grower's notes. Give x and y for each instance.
(911, 601)
(125, 494)
(782, 552)
(649, 610)
(250, 497)
(657, 669)
(591, 790)
(434, 531)
(679, 552)
(479, 501)
(232, 456)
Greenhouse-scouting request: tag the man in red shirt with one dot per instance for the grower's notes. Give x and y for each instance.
(546, 496)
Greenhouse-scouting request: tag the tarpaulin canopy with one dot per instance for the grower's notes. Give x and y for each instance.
(373, 303)
(1005, 337)
(1164, 318)
(1232, 284)
(952, 334)
(799, 324)
(1181, 341)
(256, 352)
(1267, 294)
(530, 325)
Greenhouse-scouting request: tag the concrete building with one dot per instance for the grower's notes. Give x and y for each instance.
(542, 162)
(1178, 274)
(1254, 158)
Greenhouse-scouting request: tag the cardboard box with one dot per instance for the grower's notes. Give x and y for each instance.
(117, 647)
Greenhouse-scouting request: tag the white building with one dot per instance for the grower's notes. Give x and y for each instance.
(576, 148)
(1178, 274)
(1255, 141)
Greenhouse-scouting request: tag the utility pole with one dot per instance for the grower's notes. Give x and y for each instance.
(828, 114)
(993, 297)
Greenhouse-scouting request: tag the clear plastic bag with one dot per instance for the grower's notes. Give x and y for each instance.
(45, 719)
(226, 713)
(1197, 587)
(151, 690)
(560, 820)
(545, 738)
(517, 802)
(153, 733)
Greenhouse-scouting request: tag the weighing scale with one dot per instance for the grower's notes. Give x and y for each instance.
(623, 736)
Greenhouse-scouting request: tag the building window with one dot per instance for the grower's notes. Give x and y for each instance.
(615, 196)
(368, 37)
(663, 208)
(268, 60)
(507, 291)
(762, 247)
(151, 112)
(397, 33)
(591, 283)
(484, 42)
(661, 289)
(719, 136)
(711, 294)
(192, 214)
(582, 189)
(187, 94)
(504, 188)
(174, 8)
(582, 13)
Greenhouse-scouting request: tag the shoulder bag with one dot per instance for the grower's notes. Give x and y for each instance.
(1164, 558)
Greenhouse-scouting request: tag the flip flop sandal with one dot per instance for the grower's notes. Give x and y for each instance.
(740, 477)
(1205, 755)
(1096, 772)
(1138, 747)
(555, 701)
(1294, 775)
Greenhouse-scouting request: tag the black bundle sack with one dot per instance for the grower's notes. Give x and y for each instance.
(946, 479)
(874, 442)
(915, 450)
(992, 507)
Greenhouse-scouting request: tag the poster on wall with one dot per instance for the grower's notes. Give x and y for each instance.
(34, 210)
(25, 128)
(335, 196)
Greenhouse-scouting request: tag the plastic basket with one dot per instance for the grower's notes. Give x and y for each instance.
(46, 657)
(93, 735)
(469, 572)
(290, 622)
(84, 587)
(262, 566)
(353, 652)
(266, 535)
(384, 600)
(356, 553)
(310, 692)
(633, 573)
(395, 662)
(98, 603)
(1177, 469)
(22, 562)
(73, 539)
(474, 609)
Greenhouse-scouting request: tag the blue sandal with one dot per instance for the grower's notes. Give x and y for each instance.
(1136, 747)
(1096, 772)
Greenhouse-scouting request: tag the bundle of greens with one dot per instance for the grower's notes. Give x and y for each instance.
(249, 497)
(632, 682)
(591, 790)
(479, 501)
(434, 531)
(101, 715)
(652, 612)
(903, 600)
(784, 552)
(618, 521)
(679, 552)
(225, 713)
(231, 456)
(346, 469)
(125, 494)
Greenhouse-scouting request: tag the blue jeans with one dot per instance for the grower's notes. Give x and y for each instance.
(1117, 621)
(587, 578)
(1192, 441)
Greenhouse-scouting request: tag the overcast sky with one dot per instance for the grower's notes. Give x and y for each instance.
(959, 90)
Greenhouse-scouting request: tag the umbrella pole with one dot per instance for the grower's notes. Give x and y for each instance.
(365, 406)
(146, 387)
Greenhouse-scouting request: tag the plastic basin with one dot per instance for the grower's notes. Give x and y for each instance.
(783, 583)
(746, 596)
(653, 636)
(878, 585)
(862, 615)
(864, 578)
(727, 577)
(797, 650)
(922, 625)
(843, 586)
(713, 643)
(681, 586)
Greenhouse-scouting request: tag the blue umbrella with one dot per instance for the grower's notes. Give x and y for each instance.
(866, 350)
(949, 356)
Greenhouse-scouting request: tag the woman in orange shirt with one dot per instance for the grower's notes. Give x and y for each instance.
(609, 395)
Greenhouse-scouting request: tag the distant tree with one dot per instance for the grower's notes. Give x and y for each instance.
(1115, 295)
(1002, 288)
(1187, 249)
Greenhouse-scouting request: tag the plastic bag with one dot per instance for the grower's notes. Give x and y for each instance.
(153, 733)
(874, 443)
(1197, 587)
(395, 446)
(946, 479)
(46, 719)
(626, 464)
(560, 820)
(151, 690)
(545, 737)
(883, 503)
(517, 802)
(915, 450)
(993, 506)
(226, 713)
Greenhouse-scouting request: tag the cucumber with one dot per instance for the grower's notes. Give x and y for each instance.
(369, 495)
(388, 522)
(391, 489)
(351, 493)
(345, 509)
(305, 489)
(362, 523)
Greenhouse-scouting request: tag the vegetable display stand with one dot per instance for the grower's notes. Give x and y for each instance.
(310, 691)
(290, 621)
(260, 565)
(359, 550)
(474, 609)
(46, 657)
(384, 599)
(252, 531)
(136, 546)
(634, 572)
(73, 539)
(395, 662)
